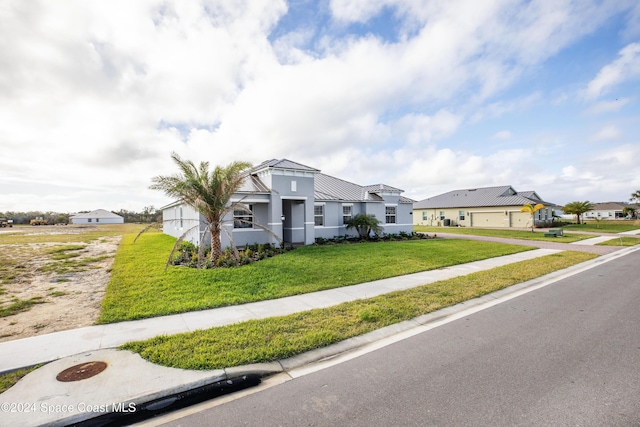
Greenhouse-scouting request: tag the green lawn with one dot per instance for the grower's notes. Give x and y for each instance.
(621, 241)
(604, 226)
(281, 337)
(141, 287)
(506, 233)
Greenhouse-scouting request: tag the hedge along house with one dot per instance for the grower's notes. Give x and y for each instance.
(497, 207)
(297, 204)
(97, 217)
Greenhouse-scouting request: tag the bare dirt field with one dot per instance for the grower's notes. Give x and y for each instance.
(48, 285)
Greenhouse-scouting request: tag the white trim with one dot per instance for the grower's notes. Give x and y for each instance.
(275, 223)
(328, 226)
(310, 223)
(247, 201)
(295, 228)
(293, 197)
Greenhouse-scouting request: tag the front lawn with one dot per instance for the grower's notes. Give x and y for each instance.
(277, 338)
(141, 287)
(604, 226)
(505, 233)
(621, 241)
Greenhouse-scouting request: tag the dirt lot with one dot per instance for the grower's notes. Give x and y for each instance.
(48, 286)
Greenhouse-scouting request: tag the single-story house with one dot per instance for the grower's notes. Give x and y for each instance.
(297, 204)
(608, 210)
(100, 216)
(481, 207)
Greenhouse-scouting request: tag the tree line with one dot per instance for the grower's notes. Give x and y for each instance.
(149, 214)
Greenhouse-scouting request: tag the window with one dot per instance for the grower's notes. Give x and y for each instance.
(181, 217)
(89, 220)
(346, 213)
(424, 216)
(441, 214)
(243, 218)
(294, 186)
(97, 219)
(318, 215)
(390, 214)
(461, 215)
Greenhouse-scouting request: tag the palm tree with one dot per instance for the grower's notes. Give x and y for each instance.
(531, 209)
(577, 209)
(629, 211)
(364, 225)
(209, 192)
(635, 196)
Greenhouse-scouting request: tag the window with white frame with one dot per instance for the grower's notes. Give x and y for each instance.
(390, 214)
(441, 214)
(243, 218)
(425, 216)
(461, 215)
(347, 211)
(318, 215)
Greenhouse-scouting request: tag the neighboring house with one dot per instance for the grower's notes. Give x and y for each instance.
(609, 210)
(481, 207)
(100, 216)
(297, 203)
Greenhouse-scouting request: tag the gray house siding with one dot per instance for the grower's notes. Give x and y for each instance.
(284, 197)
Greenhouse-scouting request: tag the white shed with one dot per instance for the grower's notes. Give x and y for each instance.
(100, 216)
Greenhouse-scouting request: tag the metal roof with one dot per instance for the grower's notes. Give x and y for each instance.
(327, 187)
(283, 164)
(376, 188)
(504, 195)
(99, 213)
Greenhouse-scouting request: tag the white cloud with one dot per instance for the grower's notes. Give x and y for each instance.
(503, 134)
(607, 133)
(94, 96)
(625, 68)
(604, 107)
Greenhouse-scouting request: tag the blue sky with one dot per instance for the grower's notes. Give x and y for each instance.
(427, 96)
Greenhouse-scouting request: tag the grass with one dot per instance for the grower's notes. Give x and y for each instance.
(281, 337)
(141, 287)
(72, 265)
(8, 380)
(509, 234)
(65, 252)
(621, 241)
(606, 226)
(84, 234)
(19, 305)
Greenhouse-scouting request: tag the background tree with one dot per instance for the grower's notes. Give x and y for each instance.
(577, 209)
(209, 192)
(635, 197)
(364, 225)
(629, 211)
(531, 210)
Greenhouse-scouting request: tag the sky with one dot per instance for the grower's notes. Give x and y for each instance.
(427, 96)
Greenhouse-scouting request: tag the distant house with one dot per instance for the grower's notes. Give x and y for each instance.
(100, 216)
(481, 207)
(608, 210)
(297, 203)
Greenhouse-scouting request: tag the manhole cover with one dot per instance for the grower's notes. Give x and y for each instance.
(81, 372)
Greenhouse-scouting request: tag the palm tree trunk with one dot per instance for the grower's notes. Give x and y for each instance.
(216, 245)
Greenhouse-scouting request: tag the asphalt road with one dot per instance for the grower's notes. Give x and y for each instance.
(564, 355)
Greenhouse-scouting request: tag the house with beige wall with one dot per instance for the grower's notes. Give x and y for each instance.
(496, 207)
